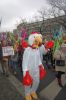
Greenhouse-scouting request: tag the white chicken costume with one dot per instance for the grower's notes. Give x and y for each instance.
(42, 49)
(31, 63)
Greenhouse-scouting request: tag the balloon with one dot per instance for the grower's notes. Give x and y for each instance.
(24, 33)
(42, 72)
(16, 37)
(56, 45)
(24, 44)
(27, 79)
(3, 36)
(12, 38)
(16, 45)
(49, 44)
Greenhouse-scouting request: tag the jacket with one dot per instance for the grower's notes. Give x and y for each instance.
(59, 55)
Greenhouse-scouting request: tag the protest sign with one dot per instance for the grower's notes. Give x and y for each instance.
(8, 50)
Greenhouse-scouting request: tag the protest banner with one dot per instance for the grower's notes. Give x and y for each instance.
(8, 51)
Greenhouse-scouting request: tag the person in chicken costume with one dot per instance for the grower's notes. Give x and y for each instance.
(32, 65)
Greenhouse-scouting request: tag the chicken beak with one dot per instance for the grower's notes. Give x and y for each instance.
(38, 41)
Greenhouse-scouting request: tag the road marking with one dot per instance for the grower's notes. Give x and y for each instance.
(52, 90)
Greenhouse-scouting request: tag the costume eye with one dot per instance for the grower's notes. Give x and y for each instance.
(36, 41)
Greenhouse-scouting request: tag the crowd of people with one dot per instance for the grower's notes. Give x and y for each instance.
(11, 61)
(55, 61)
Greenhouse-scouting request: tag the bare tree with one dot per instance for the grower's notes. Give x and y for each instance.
(43, 15)
(23, 22)
(51, 12)
(60, 4)
(54, 12)
(59, 18)
(57, 21)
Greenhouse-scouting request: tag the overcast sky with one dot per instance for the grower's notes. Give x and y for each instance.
(12, 11)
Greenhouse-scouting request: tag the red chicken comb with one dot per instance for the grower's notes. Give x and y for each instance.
(34, 32)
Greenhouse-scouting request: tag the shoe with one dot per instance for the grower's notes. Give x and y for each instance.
(28, 97)
(60, 85)
(34, 95)
(7, 75)
(59, 82)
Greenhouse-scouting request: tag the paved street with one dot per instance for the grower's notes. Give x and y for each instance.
(7, 90)
(12, 89)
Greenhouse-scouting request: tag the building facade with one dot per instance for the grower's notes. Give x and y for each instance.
(46, 27)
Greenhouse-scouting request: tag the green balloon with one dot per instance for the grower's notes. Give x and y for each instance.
(56, 45)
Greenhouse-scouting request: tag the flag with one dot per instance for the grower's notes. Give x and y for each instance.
(58, 33)
(58, 36)
(56, 45)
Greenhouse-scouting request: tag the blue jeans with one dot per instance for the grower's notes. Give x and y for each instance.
(14, 65)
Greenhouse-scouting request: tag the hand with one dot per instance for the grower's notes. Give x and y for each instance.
(27, 79)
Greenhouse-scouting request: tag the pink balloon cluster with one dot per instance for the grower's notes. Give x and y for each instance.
(3, 36)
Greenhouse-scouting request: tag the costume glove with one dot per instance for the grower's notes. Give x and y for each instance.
(42, 72)
(27, 79)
